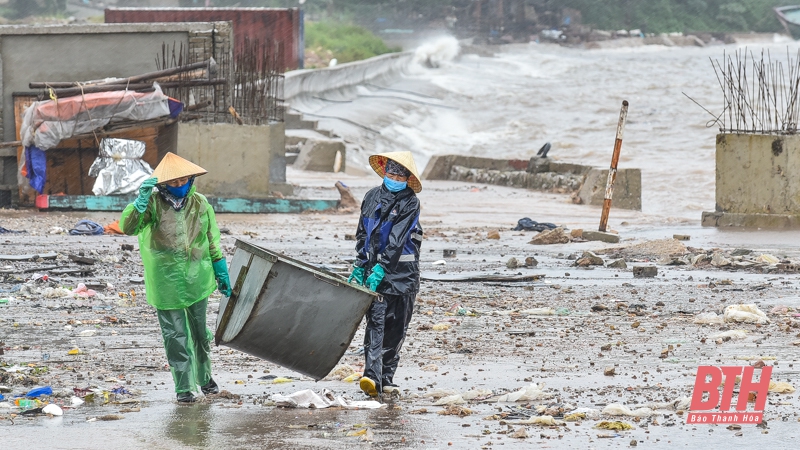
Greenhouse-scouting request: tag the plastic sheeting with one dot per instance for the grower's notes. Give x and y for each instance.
(119, 167)
(46, 123)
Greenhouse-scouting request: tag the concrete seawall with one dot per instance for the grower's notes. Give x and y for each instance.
(300, 83)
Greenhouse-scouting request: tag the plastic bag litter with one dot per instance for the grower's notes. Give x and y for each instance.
(450, 400)
(683, 403)
(541, 420)
(280, 380)
(455, 410)
(354, 377)
(53, 410)
(616, 409)
(733, 334)
(614, 426)
(745, 313)
(574, 417)
(589, 412)
(780, 309)
(309, 399)
(87, 333)
(439, 393)
(780, 387)
(340, 372)
(767, 259)
(83, 291)
(709, 318)
(538, 312)
(532, 392)
(476, 393)
(58, 292)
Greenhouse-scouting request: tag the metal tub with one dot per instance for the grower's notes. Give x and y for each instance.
(288, 312)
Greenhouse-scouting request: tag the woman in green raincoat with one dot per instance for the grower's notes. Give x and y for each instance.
(180, 246)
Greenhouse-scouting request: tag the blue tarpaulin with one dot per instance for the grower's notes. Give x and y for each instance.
(36, 166)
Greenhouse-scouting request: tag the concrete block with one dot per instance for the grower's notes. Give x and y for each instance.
(237, 157)
(627, 189)
(755, 174)
(561, 167)
(296, 121)
(645, 271)
(320, 155)
(611, 238)
(769, 221)
(537, 164)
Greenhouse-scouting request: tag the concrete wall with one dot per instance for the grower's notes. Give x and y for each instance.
(317, 81)
(239, 158)
(627, 189)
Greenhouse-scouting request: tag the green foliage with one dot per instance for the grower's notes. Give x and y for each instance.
(346, 42)
(661, 16)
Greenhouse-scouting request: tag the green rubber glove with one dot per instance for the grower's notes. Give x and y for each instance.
(145, 191)
(223, 279)
(375, 277)
(357, 275)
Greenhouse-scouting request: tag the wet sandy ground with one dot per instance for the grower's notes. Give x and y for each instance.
(496, 349)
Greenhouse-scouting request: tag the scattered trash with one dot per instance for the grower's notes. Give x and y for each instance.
(53, 410)
(351, 378)
(575, 417)
(616, 409)
(340, 372)
(544, 420)
(430, 368)
(83, 291)
(441, 327)
(476, 394)
(481, 277)
(530, 393)
(450, 400)
(709, 318)
(538, 312)
(454, 410)
(38, 392)
(87, 228)
(780, 309)
(526, 224)
(732, 334)
(745, 313)
(309, 399)
(780, 387)
(74, 351)
(279, 380)
(614, 426)
(441, 262)
(520, 433)
(449, 253)
(494, 234)
(767, 259)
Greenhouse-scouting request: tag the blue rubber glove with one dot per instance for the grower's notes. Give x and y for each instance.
(375, 277)
(357, 275)
(223, 279)
(145, 191)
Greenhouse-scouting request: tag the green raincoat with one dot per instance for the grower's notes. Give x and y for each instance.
(177, 249)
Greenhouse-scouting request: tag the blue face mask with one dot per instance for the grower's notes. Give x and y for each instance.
(394, 186)
(179, 191)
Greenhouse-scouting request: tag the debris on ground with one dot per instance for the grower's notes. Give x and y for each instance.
(454, 410)
(614, 426)
(555, 236)
(745, 313)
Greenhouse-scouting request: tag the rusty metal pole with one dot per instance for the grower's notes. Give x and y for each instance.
(612, 172)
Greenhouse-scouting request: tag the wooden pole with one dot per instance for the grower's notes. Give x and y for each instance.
(130, 80)
(612, 172)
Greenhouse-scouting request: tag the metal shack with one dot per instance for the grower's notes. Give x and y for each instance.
(283, 26)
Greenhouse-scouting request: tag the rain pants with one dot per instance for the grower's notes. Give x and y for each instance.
(177, 249)
(389, 234)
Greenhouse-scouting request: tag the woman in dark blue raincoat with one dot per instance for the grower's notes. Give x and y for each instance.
(388, 240)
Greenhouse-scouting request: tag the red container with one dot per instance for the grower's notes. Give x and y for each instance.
(259, 24)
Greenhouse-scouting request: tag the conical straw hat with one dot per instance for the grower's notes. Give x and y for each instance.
(405, 159)
(173, 167)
